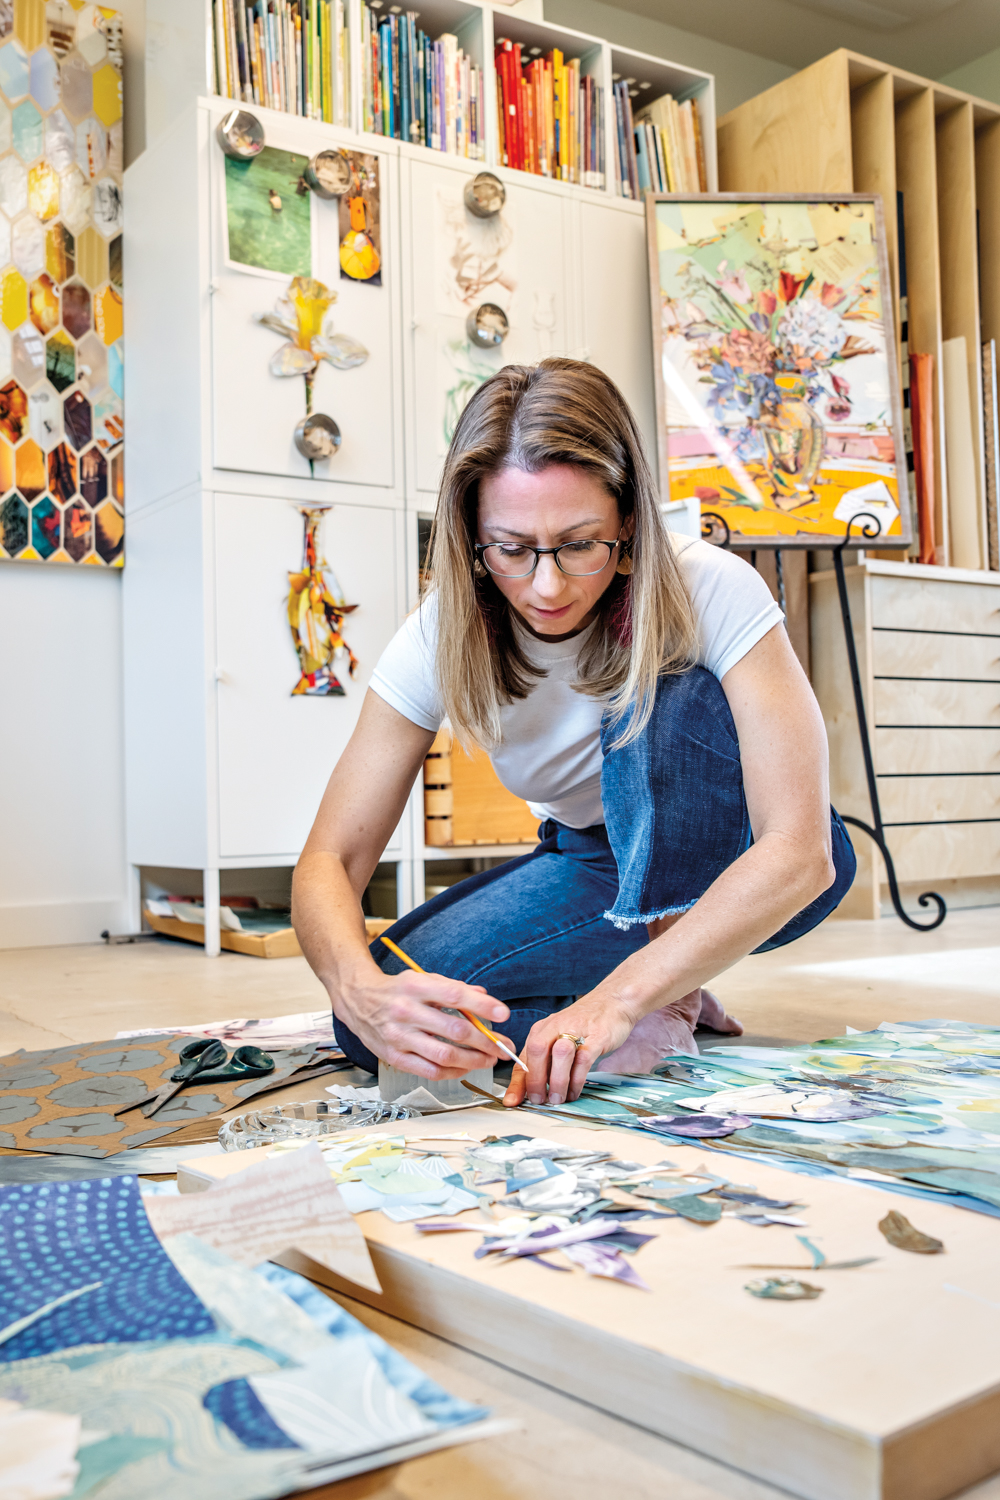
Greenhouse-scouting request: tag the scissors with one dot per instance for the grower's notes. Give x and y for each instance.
(207, 1062)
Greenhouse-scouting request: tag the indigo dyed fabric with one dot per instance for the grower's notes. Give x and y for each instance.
(57, 1237)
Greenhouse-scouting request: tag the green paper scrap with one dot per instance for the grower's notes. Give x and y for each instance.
(693, 1206)
(783, 1289)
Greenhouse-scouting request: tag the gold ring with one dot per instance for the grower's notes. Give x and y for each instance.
(568, 1036)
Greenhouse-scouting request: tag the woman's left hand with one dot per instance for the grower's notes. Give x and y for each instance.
(557, 1068)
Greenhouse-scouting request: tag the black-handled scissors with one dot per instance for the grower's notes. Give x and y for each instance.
(207, 1062)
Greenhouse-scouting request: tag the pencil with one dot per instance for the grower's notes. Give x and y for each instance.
(468, 1014)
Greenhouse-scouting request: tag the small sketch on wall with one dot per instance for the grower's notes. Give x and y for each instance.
(464, 374)
(476, 257)
(543, 320)
(316, 612)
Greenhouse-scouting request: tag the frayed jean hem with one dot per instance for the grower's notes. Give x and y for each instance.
(624, 922)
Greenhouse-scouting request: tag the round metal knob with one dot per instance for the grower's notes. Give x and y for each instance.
(240, 134)
(487, 327)
(485, 195)
(317, 436)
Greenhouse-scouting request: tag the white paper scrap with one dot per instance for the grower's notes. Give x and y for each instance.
(37, 1453)
(290, 1203)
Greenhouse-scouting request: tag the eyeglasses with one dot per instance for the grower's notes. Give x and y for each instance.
(577, 559)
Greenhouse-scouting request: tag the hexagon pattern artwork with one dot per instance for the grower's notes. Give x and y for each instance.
(61, 319)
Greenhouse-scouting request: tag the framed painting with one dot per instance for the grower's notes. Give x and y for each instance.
(776, 368)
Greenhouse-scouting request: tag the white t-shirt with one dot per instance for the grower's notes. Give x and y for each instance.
(550, 753)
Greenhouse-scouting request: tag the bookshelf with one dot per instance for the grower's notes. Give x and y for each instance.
(849, 123)
(182, 37)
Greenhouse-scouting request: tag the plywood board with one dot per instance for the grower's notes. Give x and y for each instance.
(793, 138)
(885, 1388)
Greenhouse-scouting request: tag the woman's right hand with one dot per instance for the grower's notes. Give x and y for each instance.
(400, 1017)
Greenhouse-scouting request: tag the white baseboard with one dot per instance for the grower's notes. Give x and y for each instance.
(53, 924)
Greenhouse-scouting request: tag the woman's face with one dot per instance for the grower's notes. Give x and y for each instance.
(560, 504)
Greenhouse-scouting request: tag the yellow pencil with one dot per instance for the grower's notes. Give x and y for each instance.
(469, 1016)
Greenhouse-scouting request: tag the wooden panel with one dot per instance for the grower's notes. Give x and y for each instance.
(466, 803)
(898, 701)
(988, 205)
(947, 851)
(794, 138)
(935, 752)
(873, 145)
(698, 1360)
(912, 653)
(956, 174)
(936, 799)
(925, 604)
(916, 176)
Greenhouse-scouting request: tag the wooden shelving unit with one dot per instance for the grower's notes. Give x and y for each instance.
(850, 124)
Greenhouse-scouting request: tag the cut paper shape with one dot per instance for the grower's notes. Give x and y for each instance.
(316, 618)
(700, 1126)
(783, 1289)
(898, 1230)
(289, 1203)
(37, 1452)
(85, 1252)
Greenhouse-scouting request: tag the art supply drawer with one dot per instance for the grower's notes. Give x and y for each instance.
(925, 653)
(945, 851)
(970, 704)
(939, 799)
(936, 752)
(925, 604)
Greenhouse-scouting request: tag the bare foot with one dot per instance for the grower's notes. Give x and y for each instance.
(669, 1032)
(714, 1018)
(663, 1033)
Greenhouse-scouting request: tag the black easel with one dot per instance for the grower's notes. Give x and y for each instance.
(715, 529)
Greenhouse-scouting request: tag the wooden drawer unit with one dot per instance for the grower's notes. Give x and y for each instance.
(928, 643)
(935, 655)
(939, 799)
(935, 704)
(922, 603)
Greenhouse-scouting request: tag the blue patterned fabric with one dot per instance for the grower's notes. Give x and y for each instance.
(57, 1237)
(237, 1405)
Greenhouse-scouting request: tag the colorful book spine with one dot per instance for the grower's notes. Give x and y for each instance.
(419, 90)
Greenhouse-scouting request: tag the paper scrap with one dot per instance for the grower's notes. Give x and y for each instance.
(783, 1289)
(289, 1203)
(37, 1453)
(900, 1232)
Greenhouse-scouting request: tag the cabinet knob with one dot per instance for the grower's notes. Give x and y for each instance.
(221, 676)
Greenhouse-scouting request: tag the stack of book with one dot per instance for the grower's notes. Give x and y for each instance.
(661, 150)
(428, 93)
(551, 119)
(284, 54)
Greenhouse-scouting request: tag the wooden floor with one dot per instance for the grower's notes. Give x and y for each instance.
(565, 1449)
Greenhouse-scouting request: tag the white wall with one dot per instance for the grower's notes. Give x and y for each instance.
(738, 75)
(62, 846)
(981, 77)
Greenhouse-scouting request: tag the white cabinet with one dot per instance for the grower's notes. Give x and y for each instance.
(254, 413)
(521, 260)
(276, 752)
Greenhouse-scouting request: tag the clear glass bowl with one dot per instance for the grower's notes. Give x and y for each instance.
(309, 1120)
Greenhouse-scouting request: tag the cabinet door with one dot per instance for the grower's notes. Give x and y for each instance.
(254, 413)
(276, 752)
(614, 304)
(517, 260)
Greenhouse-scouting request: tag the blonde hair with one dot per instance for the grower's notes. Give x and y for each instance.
(527, 417)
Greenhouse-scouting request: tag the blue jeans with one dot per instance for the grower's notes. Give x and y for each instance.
(541, 930)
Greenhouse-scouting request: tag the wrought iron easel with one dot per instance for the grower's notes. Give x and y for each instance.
(715, 529)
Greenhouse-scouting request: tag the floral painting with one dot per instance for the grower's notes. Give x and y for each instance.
(779, 404)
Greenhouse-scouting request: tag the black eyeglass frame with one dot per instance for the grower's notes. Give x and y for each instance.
(481, 548)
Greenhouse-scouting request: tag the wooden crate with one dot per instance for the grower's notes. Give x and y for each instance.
(465, 803)
(283, 944)
(851, 124)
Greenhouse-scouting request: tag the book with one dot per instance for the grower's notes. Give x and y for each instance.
(674, 145)
(288, 55)
(551, 117)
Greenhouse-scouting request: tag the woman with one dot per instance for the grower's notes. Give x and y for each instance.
(639, 691)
